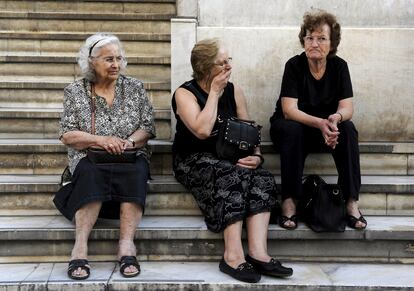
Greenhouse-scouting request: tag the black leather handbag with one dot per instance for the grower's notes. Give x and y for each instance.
(323, 206)
(237, 138)
(101, 156)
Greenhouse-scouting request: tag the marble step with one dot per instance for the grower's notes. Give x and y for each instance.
(175, 276)
(48, 156)
(62, 43)
(30, 195)
(146, 67)
(70, 42)
(56, 82)
(47, 91)
(143, 6)
(44, 122)
(387, 239)
(84, 22)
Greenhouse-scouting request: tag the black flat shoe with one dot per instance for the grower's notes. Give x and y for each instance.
(352, 221)
(283, 219)
(244, 272)
(273, 268)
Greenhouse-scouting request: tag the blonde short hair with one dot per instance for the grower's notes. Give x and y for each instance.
(203, 56)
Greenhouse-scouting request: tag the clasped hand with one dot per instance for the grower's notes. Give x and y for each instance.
(330, 131)
(250, 162)
(114, 145)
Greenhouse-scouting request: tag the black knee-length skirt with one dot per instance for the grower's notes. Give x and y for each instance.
(224, 192)
(109, 183)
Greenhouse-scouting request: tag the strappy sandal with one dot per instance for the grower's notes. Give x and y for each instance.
(79, 263)
(128, 261)
(283, 219)
(352, 221)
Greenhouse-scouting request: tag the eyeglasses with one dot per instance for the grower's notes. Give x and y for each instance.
(226, 62)
(111, 60)
(320, 40)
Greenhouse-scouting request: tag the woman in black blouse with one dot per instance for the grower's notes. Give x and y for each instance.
(226, 193)
(123, 120)
(314, 113)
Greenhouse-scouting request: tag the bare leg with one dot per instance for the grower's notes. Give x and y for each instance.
(130, 218)
(352, 208)
(85, 219)
(257, 227)
(288, 209)
(233, 248)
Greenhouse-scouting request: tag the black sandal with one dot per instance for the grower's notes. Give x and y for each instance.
(352, 221)
(128, 261)
(283, 219)
(79, 263)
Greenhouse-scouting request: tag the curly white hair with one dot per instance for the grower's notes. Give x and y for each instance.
(91, 48)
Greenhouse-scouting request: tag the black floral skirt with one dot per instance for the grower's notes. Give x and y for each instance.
(225, 193)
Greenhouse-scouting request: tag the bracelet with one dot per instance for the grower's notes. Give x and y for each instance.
(131, 140)
(261, 158)
(341, 117)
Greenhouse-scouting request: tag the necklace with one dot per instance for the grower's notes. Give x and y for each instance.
(316, 70)
(318, 75)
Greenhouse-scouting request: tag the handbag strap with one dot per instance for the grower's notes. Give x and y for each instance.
(93, 106)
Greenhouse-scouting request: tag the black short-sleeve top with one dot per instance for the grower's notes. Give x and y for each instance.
(316, 97)
(185, 142)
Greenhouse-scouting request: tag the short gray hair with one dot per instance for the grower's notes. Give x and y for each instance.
(91, 48)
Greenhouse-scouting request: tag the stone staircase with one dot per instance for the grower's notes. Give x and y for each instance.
(38, 45)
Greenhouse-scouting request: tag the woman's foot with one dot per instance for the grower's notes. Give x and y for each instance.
(75, 266)
(355, 218)
(270, 267)
(78, 269)
(288, 219)
(129, 262)
(243, 272)
(126, 248)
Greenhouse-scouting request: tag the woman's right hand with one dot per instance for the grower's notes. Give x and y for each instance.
(330, 133)
(220, 82)
(112, 144)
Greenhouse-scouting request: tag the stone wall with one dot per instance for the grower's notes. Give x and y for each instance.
(377, 42)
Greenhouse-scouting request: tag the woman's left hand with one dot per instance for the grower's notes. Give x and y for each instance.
(249, 162)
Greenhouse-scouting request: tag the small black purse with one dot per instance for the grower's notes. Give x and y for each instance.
(237, 138)
(323, 206)
(101, 156)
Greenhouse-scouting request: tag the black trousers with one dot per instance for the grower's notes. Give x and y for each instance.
(294, 141)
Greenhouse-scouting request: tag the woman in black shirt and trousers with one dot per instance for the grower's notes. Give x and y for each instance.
(313, 114)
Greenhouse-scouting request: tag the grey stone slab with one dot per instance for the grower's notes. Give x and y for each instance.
(371, 275)
(188, 227)
(16, 273)
(37, 280)
(56, 35)
(206, 273)
(206, 276)
(40, 274)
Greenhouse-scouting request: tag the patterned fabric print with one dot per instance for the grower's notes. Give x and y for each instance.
(225, 193)
(130, 111)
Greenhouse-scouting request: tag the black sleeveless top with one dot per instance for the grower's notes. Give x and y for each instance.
(185, 142)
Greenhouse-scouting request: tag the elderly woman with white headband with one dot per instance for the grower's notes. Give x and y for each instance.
(111, 112)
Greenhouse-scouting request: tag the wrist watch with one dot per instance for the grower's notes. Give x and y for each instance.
(131, 140)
